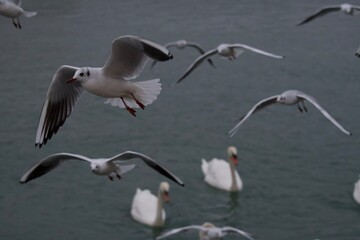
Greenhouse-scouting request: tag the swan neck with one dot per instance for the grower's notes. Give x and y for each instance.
(158, 219)
(234, 186)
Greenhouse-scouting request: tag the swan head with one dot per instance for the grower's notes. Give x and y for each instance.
(164, 190)
(81, 75)
(232, 152)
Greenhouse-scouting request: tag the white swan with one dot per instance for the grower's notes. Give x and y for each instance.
(148, 209)
(222, 174)
(356, 193)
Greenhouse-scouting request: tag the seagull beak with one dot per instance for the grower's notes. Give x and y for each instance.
(235, 159)
(166, 197)
(71, 80)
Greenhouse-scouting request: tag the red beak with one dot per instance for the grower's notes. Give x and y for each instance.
(166, 197)
(71, 80)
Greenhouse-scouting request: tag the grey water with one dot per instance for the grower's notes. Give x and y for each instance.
(298, 169)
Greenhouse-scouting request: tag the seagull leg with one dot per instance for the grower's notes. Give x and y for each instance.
(138, 102)
(304, 106)
(111, 178)
(300, 109)
(118, 176)
(18, 20)
(129, 109)
(15, 24)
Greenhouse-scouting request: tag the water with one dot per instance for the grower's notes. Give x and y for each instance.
(298, 169)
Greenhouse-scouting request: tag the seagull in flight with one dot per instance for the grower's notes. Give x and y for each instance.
(357, 53)
(128, 57)
(289, 97)
(110, 167)
(12, 9)
(345, 8)
(181, 44)
(229, 51)
(208, 231)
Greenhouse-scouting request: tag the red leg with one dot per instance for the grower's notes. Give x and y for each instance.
(138, 102)
(129, 109)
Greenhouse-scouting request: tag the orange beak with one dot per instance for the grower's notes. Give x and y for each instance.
(71, 80)
(166, 197)
(235, 159)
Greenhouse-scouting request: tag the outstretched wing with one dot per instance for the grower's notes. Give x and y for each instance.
(182, 229)
(201, 51)
(129, 55)
(196, 63)
(235, 230)
(59, 103)
(256, 50)
(149, 161)
(319, 13)
(49, 163)
(260, 105)
(312, 100)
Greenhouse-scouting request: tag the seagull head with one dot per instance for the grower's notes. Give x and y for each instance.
(164, 189)
(82, 74)
(181, 44)
(281, 99)
(232, 152)
(95, 168)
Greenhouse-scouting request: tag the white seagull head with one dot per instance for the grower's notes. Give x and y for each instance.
(81, 75)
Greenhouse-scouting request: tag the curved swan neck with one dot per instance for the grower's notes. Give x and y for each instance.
(158, 219)
(234, 186)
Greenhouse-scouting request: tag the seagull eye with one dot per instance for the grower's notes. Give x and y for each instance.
(81, 74)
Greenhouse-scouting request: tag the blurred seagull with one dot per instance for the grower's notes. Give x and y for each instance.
(356, 192)
(128, 56)
(345, 8)
(208, 231)
(99, 166)
(357, 53)
(12, 9)
(181, 44)
(230, 51)
(289, 97)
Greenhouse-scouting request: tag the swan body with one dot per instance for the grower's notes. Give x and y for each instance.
(222, 174)
(147, 208)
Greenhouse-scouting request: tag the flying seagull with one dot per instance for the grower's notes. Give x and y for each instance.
(208, 231)
(181, 44)
(12, 9)
(230, 51)
(289, 97)
(357, 53)
(128, 56)
(101, 166)
(345, 8)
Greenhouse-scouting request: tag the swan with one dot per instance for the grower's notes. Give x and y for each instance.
(356, 193)
(148, 209)
(221, 174)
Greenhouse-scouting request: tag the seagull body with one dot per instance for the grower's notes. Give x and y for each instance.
(208, 231)
(146, 208)
(357, 53)
(181, 44)
(102, 166)
(229, 51)
(12, 9)
(345, 8)
(127, 59)
(222, 174)
(289, 97)
(356, 192)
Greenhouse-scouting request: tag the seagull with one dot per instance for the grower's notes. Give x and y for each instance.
(289, 97)
(208, 231)
(12, 9)
(345, 8)
(230, 51)
(128, 56)
(99, 166)
(181, 44)
(357, 53)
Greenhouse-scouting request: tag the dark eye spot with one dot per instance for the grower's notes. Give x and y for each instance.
(81, 74)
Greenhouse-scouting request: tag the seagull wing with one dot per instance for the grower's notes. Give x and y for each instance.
(16, 2)
(235, 230)
(320, 13)
(129, 55)
(182, 229)
(59, 103)
(243, 46)
(312, 100)
(260, 105)
(355, 7)
(49, 163)
(150, 162)
(197, 62)
(198, 47)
